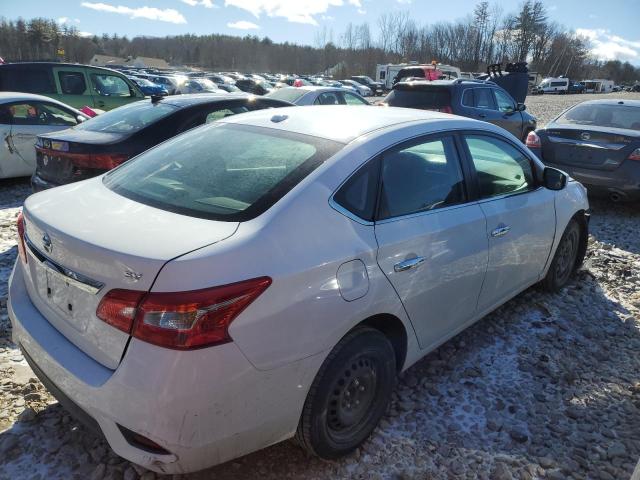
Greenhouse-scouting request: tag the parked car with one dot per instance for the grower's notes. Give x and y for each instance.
(469, 98)
(362, 90)
(228, 87)
(110, 139)
(220, 79)
(197, 85)
(598, 143)
(148, 87)
(71, 84)
(317, 96)
(270, 275)
(577, 87)
(256, 87)
(167, 81)
(559, 85)
(376, 87)
(24, 116)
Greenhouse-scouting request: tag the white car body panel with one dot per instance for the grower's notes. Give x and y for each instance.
(330, 272)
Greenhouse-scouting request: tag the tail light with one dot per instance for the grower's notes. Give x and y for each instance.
(533, 140)
(635, 155)
(180, 320)
(446, 109)
(22, 251)
(103, 161)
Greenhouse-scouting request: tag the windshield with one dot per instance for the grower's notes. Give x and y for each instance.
(221, 171)
(205, 83)
(143, 82)
(128, 118)
(602, 115)
(289, 94)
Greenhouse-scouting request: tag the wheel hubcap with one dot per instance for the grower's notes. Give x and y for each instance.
(352, 395)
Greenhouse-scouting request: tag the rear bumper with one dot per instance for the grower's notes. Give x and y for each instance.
(204, 407)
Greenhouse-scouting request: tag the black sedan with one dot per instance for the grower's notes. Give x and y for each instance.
(104, 142)
(598, 143)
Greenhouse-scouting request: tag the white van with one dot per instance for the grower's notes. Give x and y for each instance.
(554, 85)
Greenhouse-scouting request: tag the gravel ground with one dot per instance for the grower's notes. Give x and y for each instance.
(547, 386)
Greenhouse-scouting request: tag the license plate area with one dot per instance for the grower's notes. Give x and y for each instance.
(62, 295)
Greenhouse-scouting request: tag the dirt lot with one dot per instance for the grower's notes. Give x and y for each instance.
(548, 386)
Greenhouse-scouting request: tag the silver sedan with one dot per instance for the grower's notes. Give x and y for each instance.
(318, 96)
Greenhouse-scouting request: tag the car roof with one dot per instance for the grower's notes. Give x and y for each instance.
(56, 64)
(342, 123)
(7, 97)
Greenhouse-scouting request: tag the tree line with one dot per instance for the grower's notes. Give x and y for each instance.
(487, 35)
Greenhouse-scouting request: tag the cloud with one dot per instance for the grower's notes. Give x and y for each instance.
(605, 46)
(204, 3)
(151, 13)
(85, 34)
(406, 2)
(243, 25)
(298, 11)
(63, 20)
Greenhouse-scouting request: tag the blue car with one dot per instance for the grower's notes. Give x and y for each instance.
(149, 88)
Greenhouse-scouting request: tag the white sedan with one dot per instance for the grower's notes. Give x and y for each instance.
(304, 96)
(24, 116)
(269, 275)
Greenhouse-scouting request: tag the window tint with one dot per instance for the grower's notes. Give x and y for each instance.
(351, 99)
(221, 171)
(501, 168)
(72, 83)
(358, 194)
(428, 99)
(37, 113)
(504, 101)
(29, 79)
(327, 98)
(110, 86)
(467, 98)
(421, 177)
(224, 112)
(558, 84)
(483, 98)
(54, 115)
(128, 118)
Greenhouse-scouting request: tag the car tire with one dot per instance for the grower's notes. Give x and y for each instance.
(568, 257)
(349, 395)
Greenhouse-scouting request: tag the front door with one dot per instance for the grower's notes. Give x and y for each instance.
(110, 90)
(520, 217)
(509, 117)
(432, 242)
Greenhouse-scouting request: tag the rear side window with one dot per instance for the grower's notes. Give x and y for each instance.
(422, 176)
(128, 118)
(221, 171)
(72, 83)
(467, 98)
(28, 79)
(423, 98)
(358, 194)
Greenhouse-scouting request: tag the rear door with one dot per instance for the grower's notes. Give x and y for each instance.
(432, 241)
(520, 216)
(73, 86)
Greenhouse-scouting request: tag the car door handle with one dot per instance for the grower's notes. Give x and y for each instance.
(408, 264)
(482, 115)
(501, 231)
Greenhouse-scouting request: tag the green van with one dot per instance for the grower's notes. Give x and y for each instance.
(74, 84)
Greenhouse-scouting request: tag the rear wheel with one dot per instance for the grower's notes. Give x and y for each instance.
(565, 260)
(349, 395)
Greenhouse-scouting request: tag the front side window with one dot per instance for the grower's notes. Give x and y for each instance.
(54, 115)
(421, 177)
(483, 98)
(221, 171)
(72, 83)
(504, 102)
(110, 85)
(128, 118)
(327, 98)
(501, 168)
(351, 99)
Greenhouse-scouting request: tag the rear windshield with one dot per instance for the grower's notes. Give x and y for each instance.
(428, 99)
(286, 94)
(602, 115)
(219, 171)
(128, 118)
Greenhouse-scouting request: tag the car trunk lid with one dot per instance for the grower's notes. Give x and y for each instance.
(585, 147)
(84, 240)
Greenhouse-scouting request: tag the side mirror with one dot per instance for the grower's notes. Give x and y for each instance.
(80, 118)
(554, 179)
(521, 107)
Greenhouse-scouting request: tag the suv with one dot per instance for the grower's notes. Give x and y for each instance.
(376, 87)
(73, 84)
(477, 99)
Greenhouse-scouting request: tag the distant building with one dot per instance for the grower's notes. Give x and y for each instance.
(139, 62)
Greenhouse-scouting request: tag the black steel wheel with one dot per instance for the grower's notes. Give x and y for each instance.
(349, 395)
(565, 260)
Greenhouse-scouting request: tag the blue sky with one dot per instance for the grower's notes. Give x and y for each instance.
(612, 26)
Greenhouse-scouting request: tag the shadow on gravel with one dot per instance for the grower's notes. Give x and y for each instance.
(13, 191)
(616, 224)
